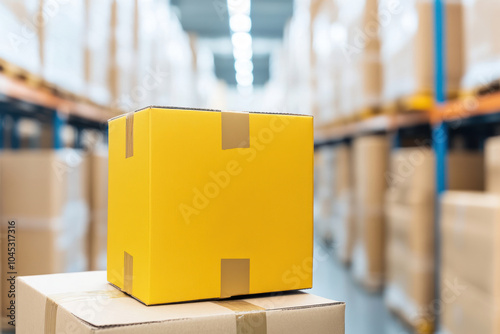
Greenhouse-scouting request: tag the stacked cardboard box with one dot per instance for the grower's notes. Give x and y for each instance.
(407, 36)
(481, 45)
(98, 229)
(470, 257)
(470, 254)
(370, 159)
(44, 210)
(410, 227)
(86, 303)
(343, 213)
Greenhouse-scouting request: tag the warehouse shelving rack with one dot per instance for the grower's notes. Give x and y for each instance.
(20, 99)
(474, 118)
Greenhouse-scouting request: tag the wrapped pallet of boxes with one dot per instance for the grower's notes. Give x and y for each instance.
(44, 205)
(470, 262)
(343, 215)
(324, 197)
(98, 230)
(481, 45)
(182, 189)
(370, 159)
(64, 46)
(20, 35)
(410, 214)
(407, 42)
(86, 303)
(98, 57)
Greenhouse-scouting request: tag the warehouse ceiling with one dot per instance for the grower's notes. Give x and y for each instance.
(209, 19)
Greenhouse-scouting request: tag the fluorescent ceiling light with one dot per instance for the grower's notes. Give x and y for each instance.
(241, 40)
(240, 23)
(244, 79)
(242, 54)
(243, 65)
(238, 7)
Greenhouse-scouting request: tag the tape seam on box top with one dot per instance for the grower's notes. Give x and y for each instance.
(235, 130)
(234, 277)
(250, 318)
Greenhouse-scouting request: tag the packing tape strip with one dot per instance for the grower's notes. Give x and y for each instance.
(52, 304)
(235, 277)
(235, 128)
(250, 318)
(129, 135)
(128, 273)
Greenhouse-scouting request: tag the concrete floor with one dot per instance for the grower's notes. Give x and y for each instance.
(365, 313)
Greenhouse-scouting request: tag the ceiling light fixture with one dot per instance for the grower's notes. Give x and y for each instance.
(240, 24)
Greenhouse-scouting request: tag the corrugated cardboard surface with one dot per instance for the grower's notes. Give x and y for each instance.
(46, 193)
(87, 304)
(182, 199)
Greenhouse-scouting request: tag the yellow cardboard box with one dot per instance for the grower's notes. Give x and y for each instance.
(207, 204)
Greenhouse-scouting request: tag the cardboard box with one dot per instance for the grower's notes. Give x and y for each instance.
(98, 229)
(492, 162)
(470, 238)
(343, 213)
(371, 155)
(215, 190)
(465, 308)
(85, 303)
(45, 193)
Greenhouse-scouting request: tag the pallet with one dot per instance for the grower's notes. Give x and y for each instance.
(18, 73)
(421, 327)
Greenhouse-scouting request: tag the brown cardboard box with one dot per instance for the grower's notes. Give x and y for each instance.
(470, 238)
(492, 157)
(86, 303)
(370, 158)
(45, 193)
(466, 309)
(98, 231)
(343, 217)
(409, 210)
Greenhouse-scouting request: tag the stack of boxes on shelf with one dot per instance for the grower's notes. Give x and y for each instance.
(410, 218)
(370, 159)
(201, 206)
(470, 239)
(54, 215)
(112, 53)
(366, 57)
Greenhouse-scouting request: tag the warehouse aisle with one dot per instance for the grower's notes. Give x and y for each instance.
(365, 313)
